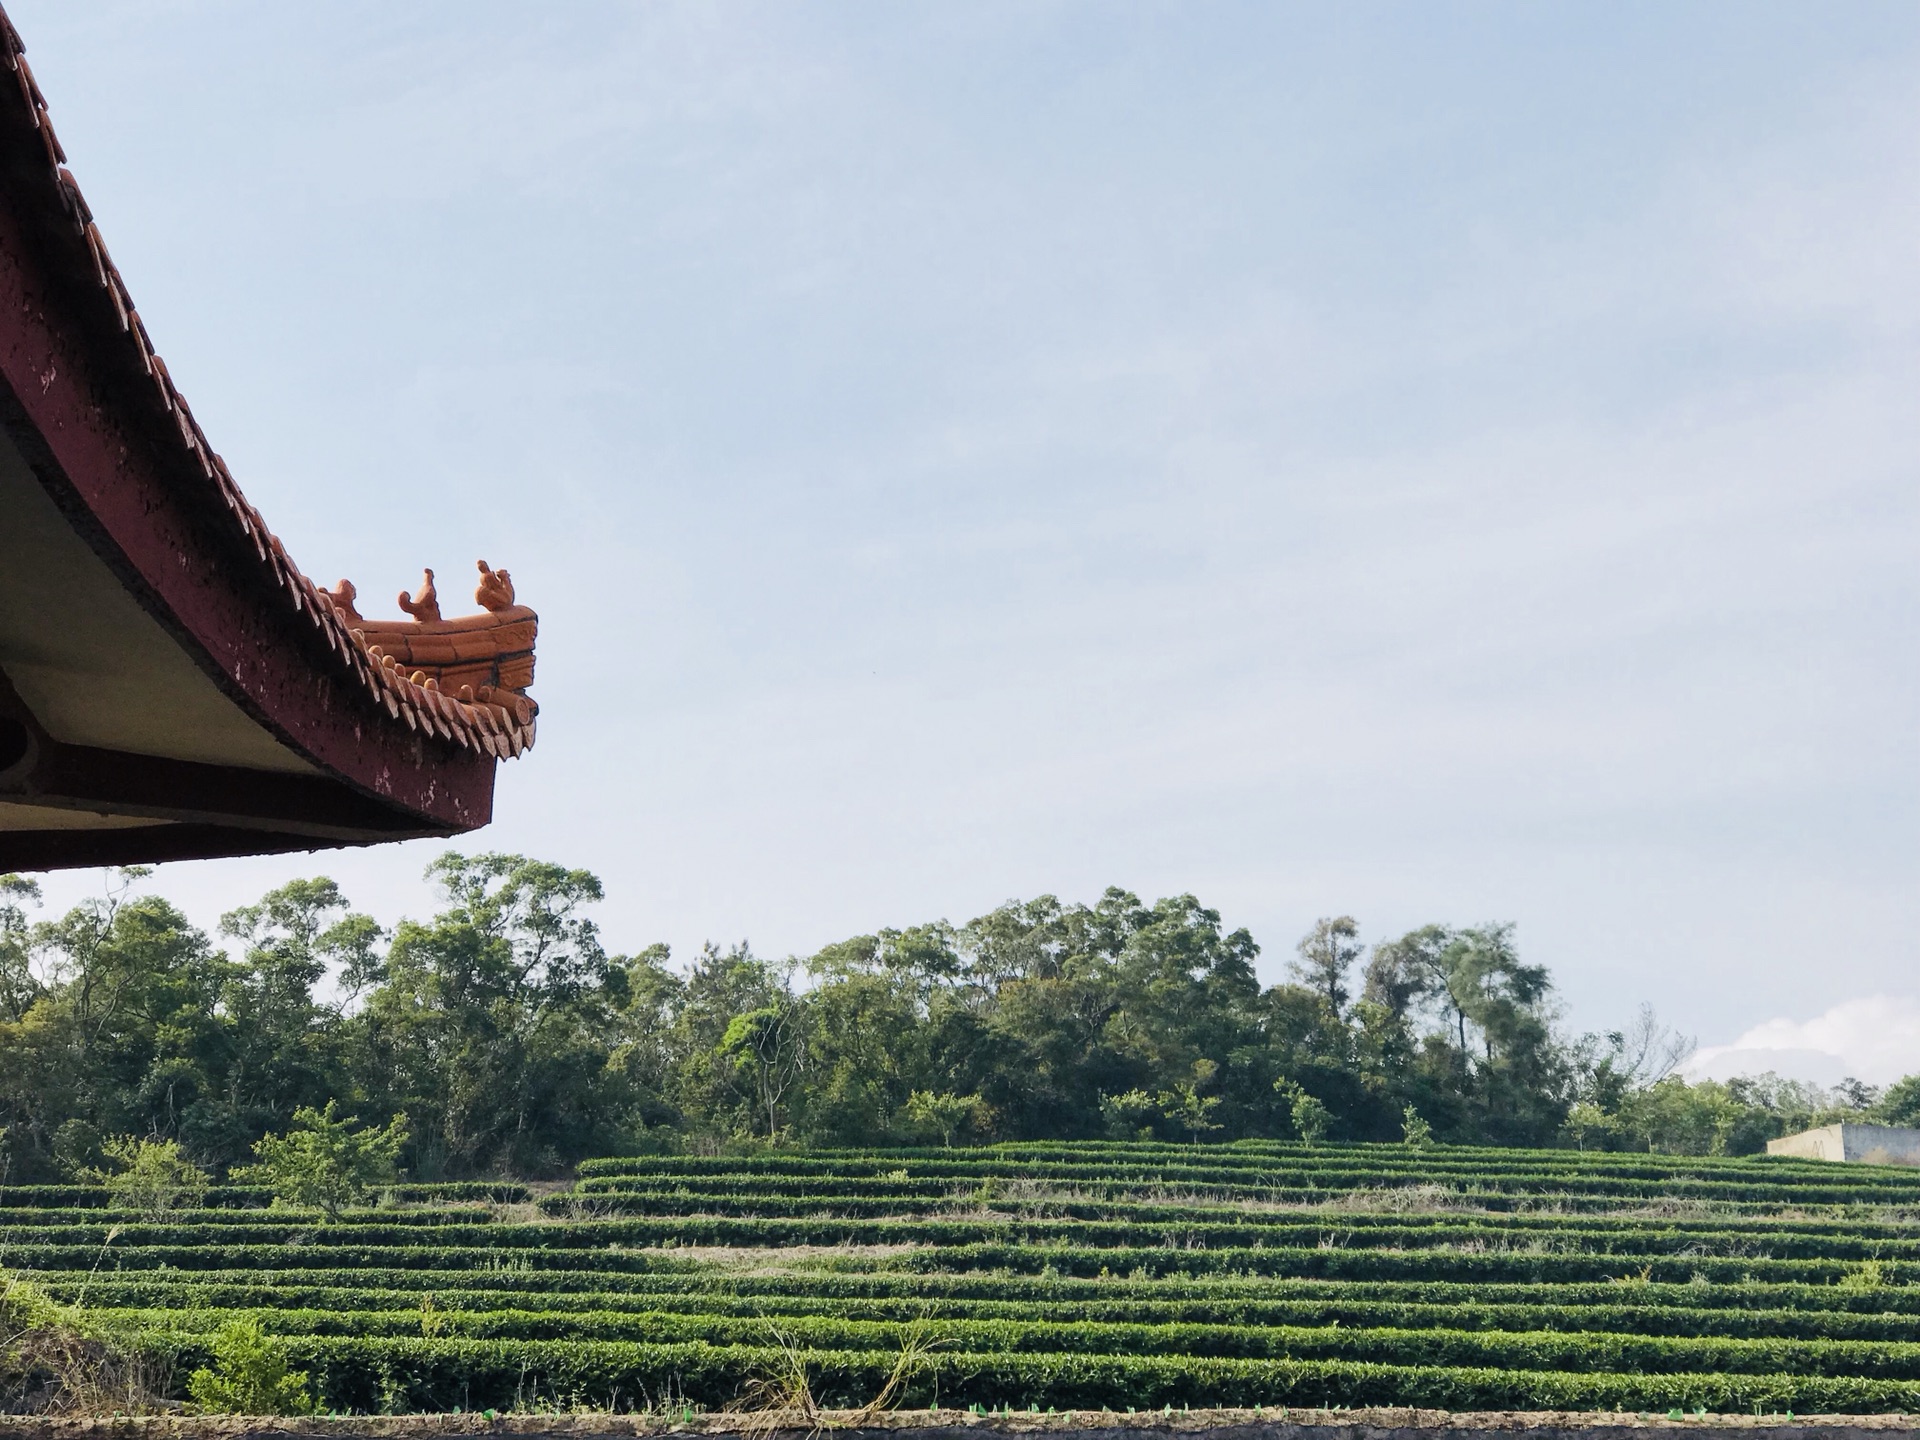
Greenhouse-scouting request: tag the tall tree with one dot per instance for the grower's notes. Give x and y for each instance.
(19, 986)
(282, 1045)
(1324, 956)
(1404, 973)
(492, 1025)
(124, 1039)
(761, 1055)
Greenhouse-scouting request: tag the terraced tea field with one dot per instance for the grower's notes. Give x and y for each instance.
(1054, 1275)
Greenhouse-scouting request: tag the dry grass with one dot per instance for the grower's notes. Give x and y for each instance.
(784, 1400)
(1036, 1196)
(517, 1212)
(1401, 1200)
(56, 1360)
(787, 1259)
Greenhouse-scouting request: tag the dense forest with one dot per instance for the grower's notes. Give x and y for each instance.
(514, 1043)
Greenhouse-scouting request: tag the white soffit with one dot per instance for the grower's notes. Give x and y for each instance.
(94, 667)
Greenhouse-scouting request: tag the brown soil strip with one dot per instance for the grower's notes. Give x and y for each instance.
(1270, 1424)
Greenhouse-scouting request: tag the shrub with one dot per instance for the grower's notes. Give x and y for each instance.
(148, 1175)
(325, 1162)
(250, 1375)
(56, 1358)
(1309, 1113)
(1414, 1131)
(944, 1114)
(1900, 1105)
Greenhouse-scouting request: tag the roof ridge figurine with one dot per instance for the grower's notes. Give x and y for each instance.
(495, 591)
(341, 597)
(427, 607)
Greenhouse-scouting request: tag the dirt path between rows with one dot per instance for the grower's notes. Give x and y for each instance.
(1270, 1424)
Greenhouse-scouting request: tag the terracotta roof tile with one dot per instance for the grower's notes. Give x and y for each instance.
(498, 720)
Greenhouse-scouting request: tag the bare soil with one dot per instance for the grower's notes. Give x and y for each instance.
(959, 1425)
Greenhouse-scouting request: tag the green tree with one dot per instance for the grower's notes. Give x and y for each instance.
(513, 1042)
(1186, 1107)
(864, 1041)
(1900, 1105)
(762, 1054)
(493, 1026)
(282, 1048)
(1402, 974)
(1590, 1126)
(148, 1175)
(121, 1035)
(643, 1068)
(1325, 955)
(19, 986)
(1130, 1115)
(325, 1161)
(1310, 1116)
(1094, 1001)
(1414, 1131)
(1493, 1062)
(945, 1114)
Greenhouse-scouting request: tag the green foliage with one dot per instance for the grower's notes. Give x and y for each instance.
(152, 1176)
(24, 1307)
(326, 1162)
(1414, 1131)
(1115, 1273)
(1706, 1117)
(1325, 955)
(761, 1054)
(514, 1043)
(1130, 1115)
(946, 1115)
(1900, 1105)
(19, 986)
(1590, 1126)
(492, 1027)
(1869, 1274)
(250, 1375)
(372, 1373)
(1308, 1113)
(1187, 1108)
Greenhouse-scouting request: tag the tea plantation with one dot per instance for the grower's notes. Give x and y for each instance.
(1088, 1275)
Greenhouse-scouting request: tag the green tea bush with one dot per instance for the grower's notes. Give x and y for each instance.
(249, 1375)
(1124, 1273)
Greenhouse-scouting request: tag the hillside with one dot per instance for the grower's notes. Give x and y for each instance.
(1092, 1275)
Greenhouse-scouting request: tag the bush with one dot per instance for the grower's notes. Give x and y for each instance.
(1414, 1131)
(325, 1162)
(148, 1175)
(1309, 1113)
(943, 1114)
(250, 1375)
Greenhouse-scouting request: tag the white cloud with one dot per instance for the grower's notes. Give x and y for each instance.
(1876, 1039)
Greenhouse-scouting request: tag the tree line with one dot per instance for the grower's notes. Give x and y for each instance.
(510, 1041)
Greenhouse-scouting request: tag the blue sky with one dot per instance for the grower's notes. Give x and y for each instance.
(1427, 462)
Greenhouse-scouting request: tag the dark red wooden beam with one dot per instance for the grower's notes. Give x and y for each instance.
(78, 777)
(141, 845)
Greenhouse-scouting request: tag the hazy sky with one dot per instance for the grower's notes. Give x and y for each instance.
(1433, 462)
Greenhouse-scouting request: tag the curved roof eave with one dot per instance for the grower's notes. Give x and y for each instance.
(89, 404)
